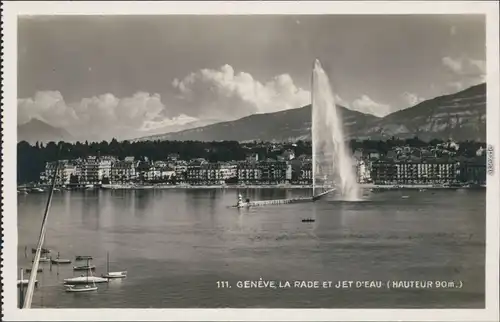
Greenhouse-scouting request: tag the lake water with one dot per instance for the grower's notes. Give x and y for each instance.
(176, 245)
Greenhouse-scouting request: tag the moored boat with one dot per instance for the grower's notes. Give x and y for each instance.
(83, 268)
(85, 279)
(112, 275)
(85, 288)
(43, 260)
(44, 250)
(83, 257)
(25, 282)
(39, 270)
(61, 261)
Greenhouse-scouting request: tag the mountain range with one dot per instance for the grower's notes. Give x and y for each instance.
(460, 116)
(38, 131)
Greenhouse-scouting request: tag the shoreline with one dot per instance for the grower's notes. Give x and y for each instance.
(368, 186)
(282, 186)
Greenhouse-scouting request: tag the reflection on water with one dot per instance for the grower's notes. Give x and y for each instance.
(176, 244)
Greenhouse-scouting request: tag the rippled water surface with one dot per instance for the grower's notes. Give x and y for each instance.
(176, 245)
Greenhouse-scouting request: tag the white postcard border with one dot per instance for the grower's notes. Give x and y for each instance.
(9, 112)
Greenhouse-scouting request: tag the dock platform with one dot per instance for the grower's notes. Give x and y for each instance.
(258, 203)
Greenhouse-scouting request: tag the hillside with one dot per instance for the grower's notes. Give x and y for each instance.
(286, 125)
(37, 130)
(461, 116)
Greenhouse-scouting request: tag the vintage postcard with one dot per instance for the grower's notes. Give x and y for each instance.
(278, 161)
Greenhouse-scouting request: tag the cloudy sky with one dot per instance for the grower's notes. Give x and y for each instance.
(103, 77)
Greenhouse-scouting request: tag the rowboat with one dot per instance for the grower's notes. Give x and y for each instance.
(83, 268)
(83, 257)
(85, 288)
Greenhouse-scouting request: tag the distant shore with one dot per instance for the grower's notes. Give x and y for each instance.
(366, 186)
(283, 186)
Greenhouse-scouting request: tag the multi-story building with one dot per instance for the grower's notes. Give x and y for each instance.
(89, 173)
(65, 171)
(196, 174)
(272, 172)
(384, 172)
(472, 171)
(248, 172)
(228, 171)
(123, 171)
(306, 173)
(427, 172)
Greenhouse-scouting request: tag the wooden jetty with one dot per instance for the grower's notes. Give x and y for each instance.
(258, 203)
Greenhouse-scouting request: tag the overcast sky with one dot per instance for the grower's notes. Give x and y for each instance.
(124, 76)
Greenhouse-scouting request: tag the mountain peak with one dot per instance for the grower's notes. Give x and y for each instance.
(36, 130)
(461, 116)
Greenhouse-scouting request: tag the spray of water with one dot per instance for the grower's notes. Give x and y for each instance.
(332, 162)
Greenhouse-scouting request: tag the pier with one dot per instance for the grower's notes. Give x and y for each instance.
(259, 203)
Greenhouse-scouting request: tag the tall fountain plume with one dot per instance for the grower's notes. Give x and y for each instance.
(332, 162)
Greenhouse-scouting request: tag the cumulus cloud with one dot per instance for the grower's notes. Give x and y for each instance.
(223, 94)
(465, 72)
(367, 105)
(100, 117)
(412, 99)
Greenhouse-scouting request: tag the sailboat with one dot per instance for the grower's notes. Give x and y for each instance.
(88, 286)
(113, 275)
(59, 260)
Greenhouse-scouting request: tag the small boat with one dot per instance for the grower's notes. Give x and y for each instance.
(422, 190)
(60, 261)
(85, 279)
(83, 268)
(25, 282)
(113, 275)
(44, 250)
(39, 270)
(43, 259)
(89, 282)
(83, 258)
(37, 190)
(405, 197)
(308, 220)
(85, 288)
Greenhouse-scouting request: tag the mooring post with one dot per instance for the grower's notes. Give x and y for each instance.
(21, 290)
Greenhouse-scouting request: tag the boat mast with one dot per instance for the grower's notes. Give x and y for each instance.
(34, 269)
(107, 262)
(313, 168)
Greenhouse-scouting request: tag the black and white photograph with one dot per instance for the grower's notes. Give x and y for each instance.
(302, 159)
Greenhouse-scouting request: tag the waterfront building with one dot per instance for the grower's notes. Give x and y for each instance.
(473, 170)
(123, 172)
(272, 172)
(93, 169)
(66, 170)
(180, 168)
(427, 172)
(248, 172)
(384, 172)
(306, 173)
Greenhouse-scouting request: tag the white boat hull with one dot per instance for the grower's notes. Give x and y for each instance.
(85, 280)
(111, 275)
(72, 288)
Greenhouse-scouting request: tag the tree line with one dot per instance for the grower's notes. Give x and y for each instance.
(31, 159)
